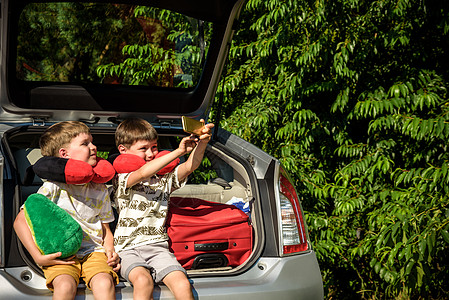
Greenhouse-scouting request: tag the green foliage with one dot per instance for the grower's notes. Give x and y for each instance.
(203, 174)
(156, 61)
(103, 154)
(111, 44)
(351, 96)
(148, 63)
(62, 41)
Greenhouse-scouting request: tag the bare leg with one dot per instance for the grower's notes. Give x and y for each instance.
(179, 285)
(64, 287)
(103, 286)
(142, 283)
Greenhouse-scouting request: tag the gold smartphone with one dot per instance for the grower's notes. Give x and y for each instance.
(192, 126)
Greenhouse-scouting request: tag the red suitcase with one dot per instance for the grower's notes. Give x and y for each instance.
(206, 234)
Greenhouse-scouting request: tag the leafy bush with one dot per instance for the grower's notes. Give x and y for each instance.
(169, 49)
(351, 96)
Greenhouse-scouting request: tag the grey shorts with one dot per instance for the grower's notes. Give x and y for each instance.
(156, 257)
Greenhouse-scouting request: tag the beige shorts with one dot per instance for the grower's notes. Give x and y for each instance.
(86, 268)
(156, 257)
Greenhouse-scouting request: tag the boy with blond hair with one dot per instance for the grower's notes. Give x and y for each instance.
(89, 204)
(142, 199)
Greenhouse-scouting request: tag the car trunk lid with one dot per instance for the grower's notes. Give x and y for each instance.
(89, 71)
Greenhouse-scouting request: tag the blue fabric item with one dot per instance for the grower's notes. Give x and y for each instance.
(240, 204)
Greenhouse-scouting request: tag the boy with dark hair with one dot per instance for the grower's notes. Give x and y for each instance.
(142, 199)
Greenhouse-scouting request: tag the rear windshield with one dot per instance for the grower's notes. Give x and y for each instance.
(110, 44)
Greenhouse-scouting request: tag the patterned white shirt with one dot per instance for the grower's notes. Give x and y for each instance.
(142, 209)
(89, 204)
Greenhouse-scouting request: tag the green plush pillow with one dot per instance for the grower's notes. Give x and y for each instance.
(53, 229)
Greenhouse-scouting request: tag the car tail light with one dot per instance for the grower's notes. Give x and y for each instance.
(294, 233)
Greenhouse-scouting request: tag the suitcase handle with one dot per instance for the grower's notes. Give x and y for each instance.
(212, 260)
(212, 246)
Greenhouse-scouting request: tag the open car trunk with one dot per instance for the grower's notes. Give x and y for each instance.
(224, 178)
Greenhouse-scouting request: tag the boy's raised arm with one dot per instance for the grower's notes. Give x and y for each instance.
(152, 167)
(196, 145)
(195, 158)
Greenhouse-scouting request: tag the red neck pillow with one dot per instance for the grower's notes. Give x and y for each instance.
(73, 171)
(126, 163)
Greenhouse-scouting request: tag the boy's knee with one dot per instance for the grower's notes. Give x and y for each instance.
(141, 277)
(177, 280)
(142, 281)
(103, 280)
(181, 287)
(64, 285)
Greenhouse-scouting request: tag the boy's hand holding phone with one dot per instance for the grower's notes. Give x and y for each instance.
(197, 128)
(196, 143)
(206, 132)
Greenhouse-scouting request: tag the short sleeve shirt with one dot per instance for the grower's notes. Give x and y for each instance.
(142, 209)
(89, 204)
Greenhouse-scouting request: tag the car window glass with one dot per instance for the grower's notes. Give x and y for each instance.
(76, 42)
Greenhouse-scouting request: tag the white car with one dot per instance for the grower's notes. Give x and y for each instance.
(101, 62)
